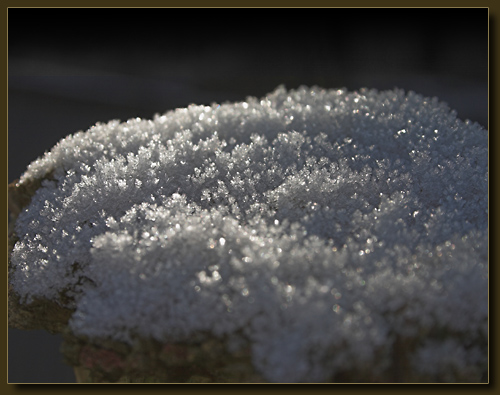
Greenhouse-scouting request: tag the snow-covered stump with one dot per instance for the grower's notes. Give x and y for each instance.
(310, 236)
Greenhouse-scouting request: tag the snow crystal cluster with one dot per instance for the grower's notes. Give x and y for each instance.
(320, 225)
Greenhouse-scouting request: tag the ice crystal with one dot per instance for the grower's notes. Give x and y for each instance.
(323, 225)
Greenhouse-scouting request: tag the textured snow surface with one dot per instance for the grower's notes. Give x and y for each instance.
(320, 224)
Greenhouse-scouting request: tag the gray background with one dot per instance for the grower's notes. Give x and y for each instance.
(69, 69)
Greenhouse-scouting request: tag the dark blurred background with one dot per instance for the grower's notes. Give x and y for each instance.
(71, 68)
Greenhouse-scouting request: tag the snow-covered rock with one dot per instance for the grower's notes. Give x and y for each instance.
(323, 226)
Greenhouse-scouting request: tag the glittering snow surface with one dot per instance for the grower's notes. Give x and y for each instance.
(322, 225)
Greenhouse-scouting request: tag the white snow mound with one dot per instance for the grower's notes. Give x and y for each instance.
(322, 225)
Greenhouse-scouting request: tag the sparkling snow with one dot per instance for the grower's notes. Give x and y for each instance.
(320, 224)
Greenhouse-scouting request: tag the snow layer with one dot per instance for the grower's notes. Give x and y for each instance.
(322, 225)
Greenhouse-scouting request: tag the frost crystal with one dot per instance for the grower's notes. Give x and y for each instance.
(322, 225)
